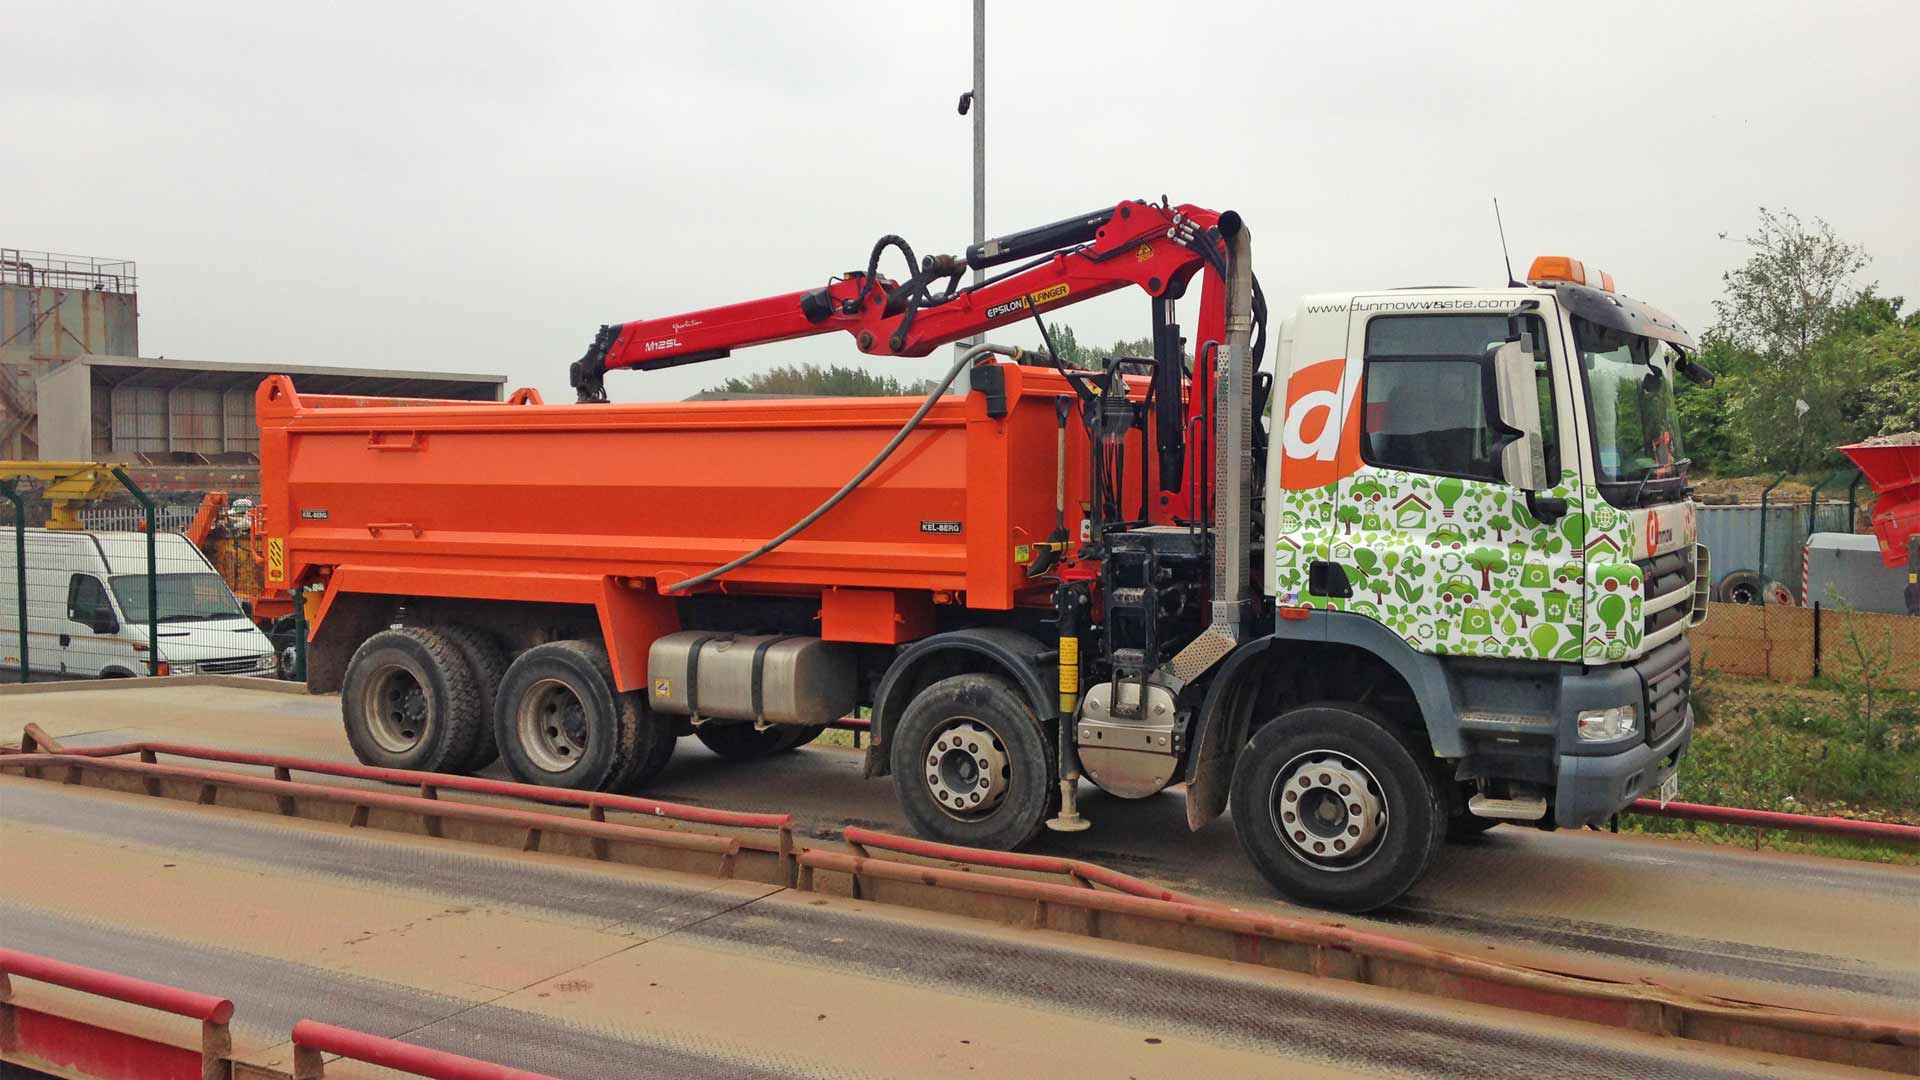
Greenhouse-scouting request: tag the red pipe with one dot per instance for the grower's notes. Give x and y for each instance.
(202, 1007)
(1769, 819)
(374, 1050)
(1007, 860)
(475, 784)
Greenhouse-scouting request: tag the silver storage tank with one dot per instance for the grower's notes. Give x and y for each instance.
(772, 678)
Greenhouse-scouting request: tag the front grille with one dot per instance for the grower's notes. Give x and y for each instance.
(1666, 574)
(231, 665)
(1667, 674)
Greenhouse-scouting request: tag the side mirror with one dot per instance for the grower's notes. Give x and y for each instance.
(1522, 458)
(104, 623)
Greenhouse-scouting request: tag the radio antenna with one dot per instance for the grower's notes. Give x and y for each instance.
(1502, 226)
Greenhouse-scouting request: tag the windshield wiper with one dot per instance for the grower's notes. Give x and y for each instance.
(1675, 466)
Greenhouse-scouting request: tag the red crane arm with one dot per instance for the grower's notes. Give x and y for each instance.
(1155, 247)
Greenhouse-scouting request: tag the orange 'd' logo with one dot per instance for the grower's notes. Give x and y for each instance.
(1319, 445)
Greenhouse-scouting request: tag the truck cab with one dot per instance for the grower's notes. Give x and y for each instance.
(1521, 573)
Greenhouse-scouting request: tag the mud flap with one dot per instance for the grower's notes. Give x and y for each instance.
(1222, 731)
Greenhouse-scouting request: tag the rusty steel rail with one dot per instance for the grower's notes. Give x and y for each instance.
(443, 781)
(1085, 873)
(1383, 960)
(536, 824)
(1852, 828)
(29, 1031)
(312, 1039)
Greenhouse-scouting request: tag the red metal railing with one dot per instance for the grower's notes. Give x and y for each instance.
(312, 1039)
(103, 1052)
(434, 810)
(1085, 873)
(1852, 828)
(440, 781)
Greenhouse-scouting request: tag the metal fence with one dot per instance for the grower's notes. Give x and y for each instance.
(1754, 547)
(123, 597)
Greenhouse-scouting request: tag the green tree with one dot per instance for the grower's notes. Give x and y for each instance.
(1489, 561)
(1089, 358)
(811, 380)
(1499, 523)
(1348, 515)
(1788, 306)
(1524, 608)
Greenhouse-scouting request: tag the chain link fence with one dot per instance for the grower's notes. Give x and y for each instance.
(113, 592)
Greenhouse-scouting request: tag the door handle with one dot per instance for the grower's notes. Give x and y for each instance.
(66, 640)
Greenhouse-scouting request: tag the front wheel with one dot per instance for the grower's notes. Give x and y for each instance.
(971, 764)
(1335, 809)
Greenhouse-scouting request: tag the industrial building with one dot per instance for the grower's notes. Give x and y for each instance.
(74, 387)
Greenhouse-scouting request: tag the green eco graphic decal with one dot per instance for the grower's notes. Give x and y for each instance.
(1459, 566)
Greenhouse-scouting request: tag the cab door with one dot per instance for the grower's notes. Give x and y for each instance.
(1434, 542)
(88, 626)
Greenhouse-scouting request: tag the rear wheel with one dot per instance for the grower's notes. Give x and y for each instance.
(743, 742)
(487, 662)
(409, 701)
(1334, 808)
(558, 721)
(971, 764)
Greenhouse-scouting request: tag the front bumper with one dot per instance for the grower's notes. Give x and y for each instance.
(1593, 788)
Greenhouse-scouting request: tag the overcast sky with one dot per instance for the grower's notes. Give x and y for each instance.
(478, 186)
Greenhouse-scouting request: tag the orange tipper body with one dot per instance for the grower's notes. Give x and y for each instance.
(607, 504)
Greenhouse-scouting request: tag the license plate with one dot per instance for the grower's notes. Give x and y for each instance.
(1669, 789)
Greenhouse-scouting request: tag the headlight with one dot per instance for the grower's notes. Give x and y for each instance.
(181, 669)
(1605, 725)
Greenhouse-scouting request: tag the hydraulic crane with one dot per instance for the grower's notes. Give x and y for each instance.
(1156, 247)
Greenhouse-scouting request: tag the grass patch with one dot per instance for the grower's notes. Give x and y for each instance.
(1834, 749)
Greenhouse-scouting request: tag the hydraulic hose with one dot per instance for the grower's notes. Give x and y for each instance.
(966, 359)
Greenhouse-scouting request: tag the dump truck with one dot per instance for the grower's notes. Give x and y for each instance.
(1426, 568)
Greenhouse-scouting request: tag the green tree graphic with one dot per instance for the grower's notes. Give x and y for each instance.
(1489, 561)
(1524, 608)
(1500, 523)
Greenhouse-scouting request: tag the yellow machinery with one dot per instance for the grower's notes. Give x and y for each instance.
(67, 485)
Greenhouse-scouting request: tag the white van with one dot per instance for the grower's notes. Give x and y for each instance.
(87, 598)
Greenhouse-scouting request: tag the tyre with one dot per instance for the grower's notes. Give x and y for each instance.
(558, 721)
(487, 662)
(1739, 587)
(409, 701)
(742, 742)
(1335, 809)
(972, 765)
(1466, 827)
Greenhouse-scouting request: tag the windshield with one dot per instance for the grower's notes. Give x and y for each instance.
(1630, 397)
(182, 597)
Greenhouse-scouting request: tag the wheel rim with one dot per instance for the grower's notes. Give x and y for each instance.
(966, 769)
(397, 708)
(1329, 810)
(552, 723)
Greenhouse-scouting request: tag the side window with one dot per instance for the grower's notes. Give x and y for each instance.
(1428, 390)
(87, 599)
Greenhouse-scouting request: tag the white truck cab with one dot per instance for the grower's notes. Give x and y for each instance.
(87, 609)
(1485, 489)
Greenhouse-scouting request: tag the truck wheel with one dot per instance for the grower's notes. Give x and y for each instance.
(409, 701)
(742, 742)
(1334, 808)
(1739, 587)
(971, 765)
(487, 662)
(558, 721)
(1466, 827)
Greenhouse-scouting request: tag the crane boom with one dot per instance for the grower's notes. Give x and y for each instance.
(1156, 247)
